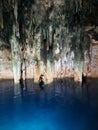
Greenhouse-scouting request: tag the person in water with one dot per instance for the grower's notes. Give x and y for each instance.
(84, 79)
(41, 81)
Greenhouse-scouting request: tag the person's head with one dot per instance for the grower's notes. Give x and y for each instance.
(42, 75)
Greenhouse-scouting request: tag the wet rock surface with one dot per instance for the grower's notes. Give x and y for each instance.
(47, 37)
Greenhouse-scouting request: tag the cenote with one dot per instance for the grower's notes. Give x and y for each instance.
(61, 105)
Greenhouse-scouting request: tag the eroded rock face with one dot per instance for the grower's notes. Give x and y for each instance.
(63, 66)
(94, 59)
(54, 37)
(6, 70)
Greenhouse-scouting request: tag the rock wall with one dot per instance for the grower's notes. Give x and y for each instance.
(63, 67)
(94, 59)
(53, 38)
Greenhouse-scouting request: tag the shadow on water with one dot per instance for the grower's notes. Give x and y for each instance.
(61, 105)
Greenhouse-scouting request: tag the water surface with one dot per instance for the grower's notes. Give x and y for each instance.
(61, 105)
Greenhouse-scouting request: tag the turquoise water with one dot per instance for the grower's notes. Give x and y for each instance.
(62, 105)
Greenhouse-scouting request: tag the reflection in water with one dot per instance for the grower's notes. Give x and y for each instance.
(61, 105)
(17, 89)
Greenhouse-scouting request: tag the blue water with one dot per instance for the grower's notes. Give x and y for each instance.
(61, 105)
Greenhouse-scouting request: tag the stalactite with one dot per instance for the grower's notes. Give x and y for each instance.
(15, 49)
(50, 35)
(77, 5)
(15, 10)
(9, 1)
(81, 3)
(1, 15)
